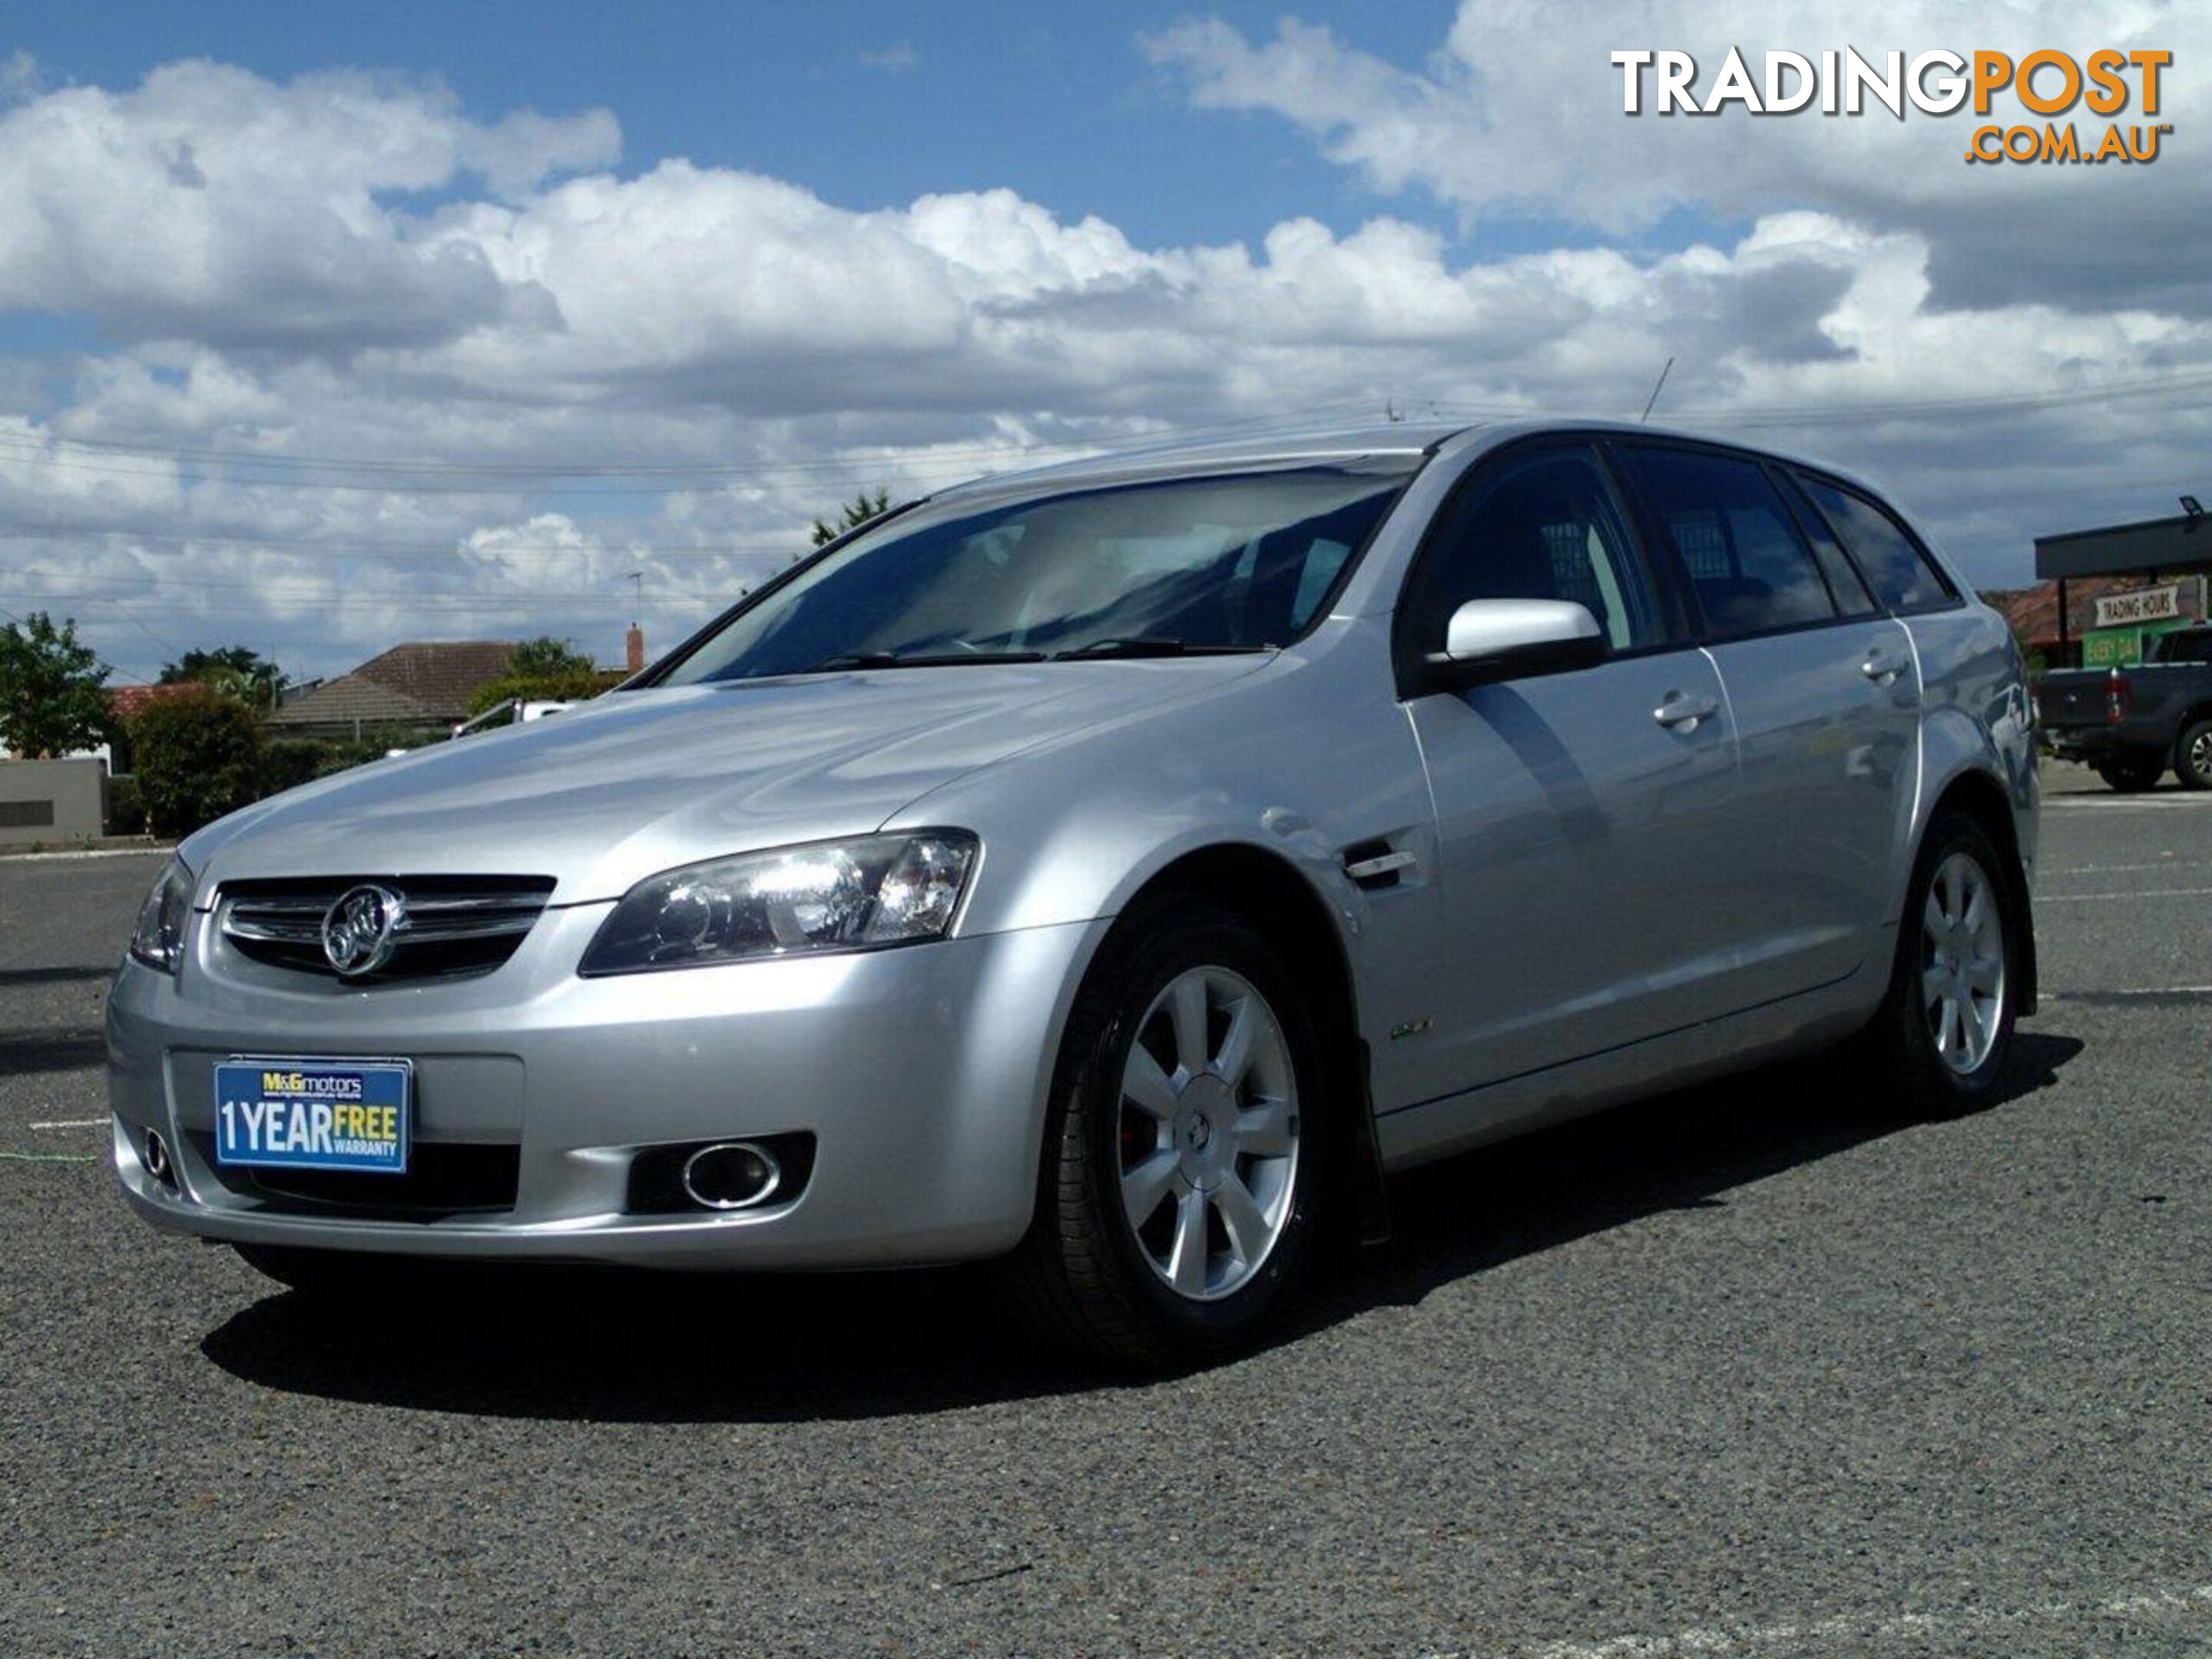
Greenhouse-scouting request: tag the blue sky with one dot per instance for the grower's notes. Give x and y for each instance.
(1055, 101)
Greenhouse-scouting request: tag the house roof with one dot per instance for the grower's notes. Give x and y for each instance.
(126, 701)
(2033, 612)
(422, 682)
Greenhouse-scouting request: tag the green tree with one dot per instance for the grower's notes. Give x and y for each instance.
(200, 754)
(547, 658)
(543, 670)
(52, 699)
(574, 686)
(236, 671)
(855, 513)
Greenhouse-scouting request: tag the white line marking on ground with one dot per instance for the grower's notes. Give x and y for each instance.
(2124, 991)
(72, 1123)
(82, 853)
(2169, 803)
(2107, 869)
(50, 1158)
(2145, 893)
(1861, 1630)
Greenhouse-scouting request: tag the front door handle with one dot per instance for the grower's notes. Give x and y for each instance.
(1881, 667)
(1683, 713)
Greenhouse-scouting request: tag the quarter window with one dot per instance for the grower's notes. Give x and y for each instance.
(1901, 574)
(1752, 571)
(1542, 526)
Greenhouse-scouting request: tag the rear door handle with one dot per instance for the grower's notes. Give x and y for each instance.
(1881, 667)
(1682, 713)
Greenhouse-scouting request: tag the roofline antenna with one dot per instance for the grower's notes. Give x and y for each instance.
(1651, 400)
(636, 578)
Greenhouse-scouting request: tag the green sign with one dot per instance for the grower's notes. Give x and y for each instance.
(2123, 647)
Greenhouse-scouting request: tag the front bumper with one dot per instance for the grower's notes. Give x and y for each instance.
(920, 1071)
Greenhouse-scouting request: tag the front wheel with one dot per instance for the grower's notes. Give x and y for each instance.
(1939, 1045)
(2192, 755)
(1177, 1208)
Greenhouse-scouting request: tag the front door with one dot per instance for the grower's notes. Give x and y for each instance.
(1576, 812)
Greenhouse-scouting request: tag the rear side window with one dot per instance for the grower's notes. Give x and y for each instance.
(1902, 575)
(2189, 645)
(1847, 586)
(1751, 569)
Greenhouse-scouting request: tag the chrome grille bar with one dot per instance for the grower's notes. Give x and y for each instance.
(281, 922)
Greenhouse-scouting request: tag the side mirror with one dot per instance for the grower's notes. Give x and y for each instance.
(1491, 639)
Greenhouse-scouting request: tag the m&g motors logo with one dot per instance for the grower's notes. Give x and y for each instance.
(2107, 84)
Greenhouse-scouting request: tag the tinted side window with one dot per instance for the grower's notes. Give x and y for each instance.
(1848, 589)
(1750, 567)
(1541, 526)
(2185, 645)
(1901, 575)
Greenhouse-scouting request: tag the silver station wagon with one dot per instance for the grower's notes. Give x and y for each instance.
(1116, 871)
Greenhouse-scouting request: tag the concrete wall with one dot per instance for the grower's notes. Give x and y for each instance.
(54, 800)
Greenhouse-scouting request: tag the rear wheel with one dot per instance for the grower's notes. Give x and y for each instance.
(1939, 1045)
(1177, 1206)
(2192, 755)
(2132, 775)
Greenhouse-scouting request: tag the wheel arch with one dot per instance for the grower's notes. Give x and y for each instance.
(1277, 899)
(2190, 716)
(1981, 796)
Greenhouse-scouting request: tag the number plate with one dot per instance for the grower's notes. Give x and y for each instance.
(313, 1114)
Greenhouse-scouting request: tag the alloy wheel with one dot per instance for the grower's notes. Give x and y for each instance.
(1962, 973)
(1208, 1134)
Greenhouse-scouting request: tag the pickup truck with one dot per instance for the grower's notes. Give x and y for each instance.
(2130, 724)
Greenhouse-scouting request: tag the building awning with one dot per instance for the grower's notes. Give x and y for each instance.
(2180, 545)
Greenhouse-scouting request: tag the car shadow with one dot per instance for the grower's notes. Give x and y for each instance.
(77, 1050)
(65, 974)
(579, 1343)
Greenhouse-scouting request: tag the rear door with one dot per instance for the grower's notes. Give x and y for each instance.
(1577, 812)
(1824, 692)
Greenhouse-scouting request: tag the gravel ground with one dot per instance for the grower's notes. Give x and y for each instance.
(1743, 1371)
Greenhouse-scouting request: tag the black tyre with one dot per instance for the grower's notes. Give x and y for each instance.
(2131, 776)
(1938, 1048)
(2192, 755)
(1179, 1195)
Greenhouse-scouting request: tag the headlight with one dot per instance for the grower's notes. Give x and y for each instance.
(159, 941)
(832, 896)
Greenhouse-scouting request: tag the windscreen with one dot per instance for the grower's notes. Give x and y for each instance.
(1222, 561)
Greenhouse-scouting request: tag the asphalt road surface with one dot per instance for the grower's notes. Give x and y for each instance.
(1744, 1371)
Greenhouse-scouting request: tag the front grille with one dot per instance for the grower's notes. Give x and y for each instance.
(442, 1178)
(451, 925)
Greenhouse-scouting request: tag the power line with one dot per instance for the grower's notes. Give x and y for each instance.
(621, 544)
(601, 466)
(99, 661)
(950, 465)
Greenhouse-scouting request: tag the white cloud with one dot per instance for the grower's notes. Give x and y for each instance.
(211, 204)
(1519, 110)
(898, 59)
(483, 377)
(18, 75)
